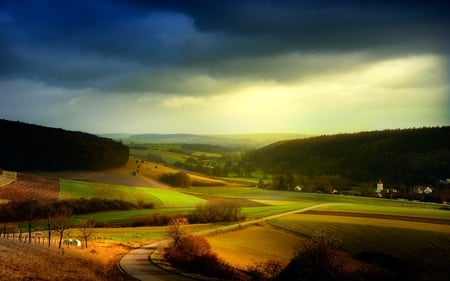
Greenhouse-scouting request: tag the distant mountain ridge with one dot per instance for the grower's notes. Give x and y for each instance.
(233, 140)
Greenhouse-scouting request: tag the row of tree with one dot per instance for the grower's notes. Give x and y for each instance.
(57, 215)
(32, 147)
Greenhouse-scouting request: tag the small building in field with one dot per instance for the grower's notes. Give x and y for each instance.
(72, 242)
(379, 188)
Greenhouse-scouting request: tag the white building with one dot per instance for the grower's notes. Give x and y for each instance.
(379, 187)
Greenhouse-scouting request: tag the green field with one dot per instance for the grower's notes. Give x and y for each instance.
(119, 218)
(159, 197)
(171, 201)
(134, 234)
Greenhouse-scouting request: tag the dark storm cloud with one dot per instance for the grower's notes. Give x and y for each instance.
(316, 25)
(102, 44)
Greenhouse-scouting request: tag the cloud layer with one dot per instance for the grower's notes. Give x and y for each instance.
(225, 66)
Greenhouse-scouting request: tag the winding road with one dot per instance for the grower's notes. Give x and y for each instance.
(137, 264)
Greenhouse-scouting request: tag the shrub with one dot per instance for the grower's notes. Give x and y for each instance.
(180, 179)
(265, 270)
(315, 259)
(193, 253)
(154, 220)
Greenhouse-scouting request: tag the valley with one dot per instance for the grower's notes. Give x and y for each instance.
(251, 218)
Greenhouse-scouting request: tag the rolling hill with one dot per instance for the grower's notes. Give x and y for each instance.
(32, 147)
(402, 157)
(229, 140)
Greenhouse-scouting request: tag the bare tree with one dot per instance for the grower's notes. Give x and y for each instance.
(175, 229)
(61, 222)
(26, 213)
(87, 229)
(50, 213)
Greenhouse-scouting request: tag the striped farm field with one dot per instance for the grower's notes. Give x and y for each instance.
(394, 208)
(18, 190)
(391, 236)
(158, 196)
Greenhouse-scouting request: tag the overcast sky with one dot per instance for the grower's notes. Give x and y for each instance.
(219, 67)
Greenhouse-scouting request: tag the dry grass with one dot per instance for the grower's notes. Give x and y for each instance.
(5, 180)
(253, 244)
(134, 173)
(20, 261)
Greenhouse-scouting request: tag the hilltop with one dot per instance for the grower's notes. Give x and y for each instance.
(32, 147)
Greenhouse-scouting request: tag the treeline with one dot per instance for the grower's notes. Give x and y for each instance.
(210, 212)
(403, 157)
(35, 210)
(32, 147)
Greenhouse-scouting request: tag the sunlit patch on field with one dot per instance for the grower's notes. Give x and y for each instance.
(23, 261)
(5, 180)
(247, 246)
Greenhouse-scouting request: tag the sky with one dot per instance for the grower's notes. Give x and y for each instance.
(225, 67)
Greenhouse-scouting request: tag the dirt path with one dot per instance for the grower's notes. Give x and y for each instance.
(136, 263)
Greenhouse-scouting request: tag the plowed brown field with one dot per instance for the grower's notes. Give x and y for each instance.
(19, 190)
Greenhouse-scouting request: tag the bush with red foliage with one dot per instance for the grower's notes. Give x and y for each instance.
(193, 253)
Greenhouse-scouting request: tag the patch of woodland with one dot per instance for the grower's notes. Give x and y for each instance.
(28, 147)
(400, 157)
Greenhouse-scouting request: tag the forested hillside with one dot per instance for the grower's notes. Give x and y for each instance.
(404, 157)
(32, 147)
